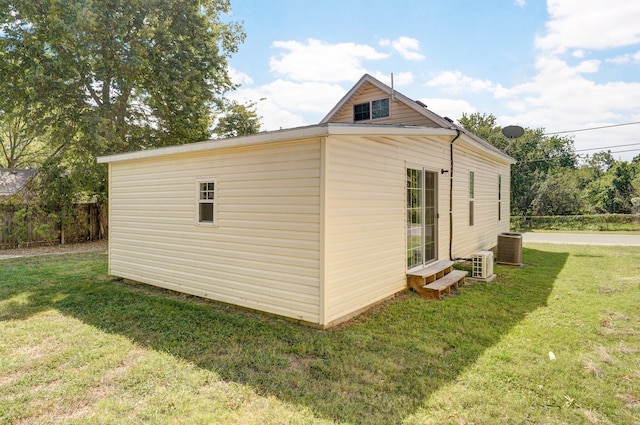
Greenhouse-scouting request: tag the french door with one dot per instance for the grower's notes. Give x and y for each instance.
(422, 214)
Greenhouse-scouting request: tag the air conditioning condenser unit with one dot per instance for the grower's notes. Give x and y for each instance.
(482, 266)
(509, 249)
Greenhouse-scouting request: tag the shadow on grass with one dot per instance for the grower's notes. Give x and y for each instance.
(378, 368)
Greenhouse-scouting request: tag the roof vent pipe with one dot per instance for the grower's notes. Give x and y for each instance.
(393, 92)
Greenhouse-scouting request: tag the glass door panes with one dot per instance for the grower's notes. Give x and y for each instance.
(415, 230)
(430, 215)
(421, 217)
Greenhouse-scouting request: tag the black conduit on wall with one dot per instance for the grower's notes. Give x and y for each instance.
(451, 195)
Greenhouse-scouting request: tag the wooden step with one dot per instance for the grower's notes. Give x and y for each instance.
(432, 272)
(443, 285)
(433, 268)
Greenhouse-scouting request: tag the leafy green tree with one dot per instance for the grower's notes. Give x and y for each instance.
(614, 190)
(18, 142)
(116, 75)
(558, 194)
(486, 127)
(600, 161)
(238, 120)
(537, 156)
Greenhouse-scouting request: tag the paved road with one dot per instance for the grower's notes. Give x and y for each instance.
(581, 239)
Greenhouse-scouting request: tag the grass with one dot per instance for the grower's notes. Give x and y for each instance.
(78, 347)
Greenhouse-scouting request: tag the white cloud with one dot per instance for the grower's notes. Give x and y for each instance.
(238, 77)
(399, 78)
(408, 48)
(520, 3)
(318, 61)
(624, 59)
(578, 54)
(287, 104)
(452, 108)
(590, 24)
(559, 97)
(588, 66)
(456, 82)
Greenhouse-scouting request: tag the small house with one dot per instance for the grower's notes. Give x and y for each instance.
(315, 223)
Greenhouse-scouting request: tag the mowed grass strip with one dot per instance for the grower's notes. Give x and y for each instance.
(79, 347)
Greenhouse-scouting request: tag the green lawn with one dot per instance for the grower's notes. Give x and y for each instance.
(78, 347)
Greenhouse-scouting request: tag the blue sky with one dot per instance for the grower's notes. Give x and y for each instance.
(559, 65)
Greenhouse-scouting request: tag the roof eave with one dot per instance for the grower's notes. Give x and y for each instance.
(321, 130)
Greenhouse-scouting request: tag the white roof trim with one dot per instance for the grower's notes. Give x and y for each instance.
(321, 130)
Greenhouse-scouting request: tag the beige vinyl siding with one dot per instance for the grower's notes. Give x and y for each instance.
(399, 112)
(365, 257)
(263, 251)
(483, 234)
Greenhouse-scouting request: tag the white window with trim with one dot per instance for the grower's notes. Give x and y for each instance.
(206, 201)
(373, 110)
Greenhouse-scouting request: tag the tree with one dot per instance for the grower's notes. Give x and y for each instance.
(613, 191)
(17, 142)
(600, 161)
(238, 120)
(537, 156)
(116, 75)
(558, 194)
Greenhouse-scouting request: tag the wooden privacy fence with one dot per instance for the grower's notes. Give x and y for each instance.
(26, 225)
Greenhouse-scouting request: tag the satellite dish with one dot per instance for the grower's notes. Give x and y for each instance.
(513, 131)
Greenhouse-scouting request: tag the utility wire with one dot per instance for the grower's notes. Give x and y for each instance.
(591, 128)
(608, 147)
(569, 156)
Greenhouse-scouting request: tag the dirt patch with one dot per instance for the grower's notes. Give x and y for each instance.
(54, 249)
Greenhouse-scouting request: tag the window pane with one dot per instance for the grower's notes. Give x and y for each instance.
(471, 185)
(380, 108)
(207, 190)
(361, 112)
(206, 212)
(471, 213)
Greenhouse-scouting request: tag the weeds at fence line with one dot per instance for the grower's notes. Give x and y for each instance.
(595, 222)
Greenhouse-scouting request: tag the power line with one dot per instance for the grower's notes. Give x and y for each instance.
(591, 128)
(608, 147)
(567, 156)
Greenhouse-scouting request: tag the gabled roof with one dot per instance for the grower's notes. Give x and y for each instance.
(13, 180)
(417, 106)
(366, 78)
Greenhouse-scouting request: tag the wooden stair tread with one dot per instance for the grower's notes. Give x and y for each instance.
(432, 268)
(446, 281)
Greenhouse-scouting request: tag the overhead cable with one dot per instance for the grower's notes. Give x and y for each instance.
(591, 128)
